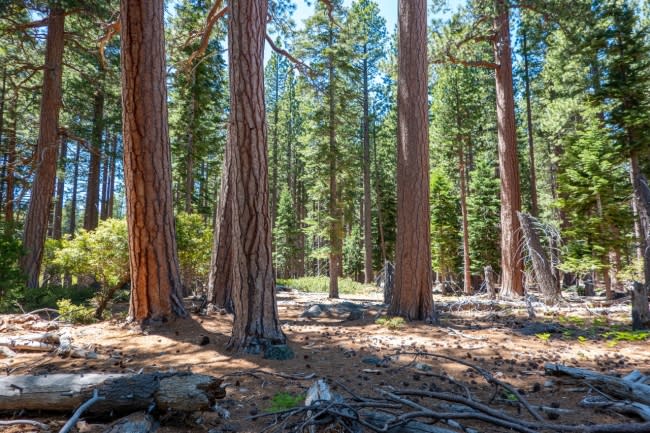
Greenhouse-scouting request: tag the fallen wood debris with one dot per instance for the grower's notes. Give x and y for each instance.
(60, 343)
(123, 393)
(630, 387)
(430, 410)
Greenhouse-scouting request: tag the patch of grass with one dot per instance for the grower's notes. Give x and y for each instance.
(582, 339)
(600, 322)
(544, 336)
(616, 336)
(572, 320)
(391, 322)
(321, 285)
(283, 401)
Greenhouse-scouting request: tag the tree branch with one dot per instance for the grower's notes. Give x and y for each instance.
(111, 30)
(302, 67)
(216, 13)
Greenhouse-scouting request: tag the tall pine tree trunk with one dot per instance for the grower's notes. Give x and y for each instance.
(467, 272)
(73, 199)
(412, 294)
(91, 214)
(334, 231)
(367, 198)
(534, 209)
(274, 143)
(36, 221)
(111, 183)
(57, 230)
(219, 285)
(511, 260)
(11, 166)
(155, 279)
(189, 157)
(256, 325)
(5, 154)
(641, 201)
(103, 202)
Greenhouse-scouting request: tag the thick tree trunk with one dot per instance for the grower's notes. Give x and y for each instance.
(57, 229)
(155, 279)
(256, 325)
(121, 392)
(219, 284)
(641, 201)
(36, 221)
(511, 262)
(542, 266)
(334, 229)
(91, 214)
(412, 295)
(367, 198)
(11, 167)
(534, 210)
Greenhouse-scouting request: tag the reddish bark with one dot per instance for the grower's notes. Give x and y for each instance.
(155, 279)
(412, 294)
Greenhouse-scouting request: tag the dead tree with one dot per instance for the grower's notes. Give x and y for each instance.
(542, 266)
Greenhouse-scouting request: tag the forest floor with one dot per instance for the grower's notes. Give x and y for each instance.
(354, 353)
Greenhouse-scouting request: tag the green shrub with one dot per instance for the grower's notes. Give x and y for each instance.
(321, 285)
(74, 313)
(102, 254)
(194, 242)
(283, 401)
(11, 277)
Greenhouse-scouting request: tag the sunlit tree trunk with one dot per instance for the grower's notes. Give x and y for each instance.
(412, 294)
(256, 324)
(38, 213)
(511, 260)
(155, 279)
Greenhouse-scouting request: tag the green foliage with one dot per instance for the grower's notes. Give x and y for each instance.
(392, 323)
(284, 401)
(544, 336)
(194, 243)
(321, 285)
(74, 313)
(11, 277)
(617, 336)
(444, 223)
(102, 254)
(285, 236)
(353, 252)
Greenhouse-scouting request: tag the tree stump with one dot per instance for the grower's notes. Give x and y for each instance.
(489, 282)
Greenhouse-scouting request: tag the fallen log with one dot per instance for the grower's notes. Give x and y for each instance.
(622, 407)
(121, 392)
(633, 390)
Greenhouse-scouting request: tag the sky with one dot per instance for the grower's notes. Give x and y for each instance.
(388, 10)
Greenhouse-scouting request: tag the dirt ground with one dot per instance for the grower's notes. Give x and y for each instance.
(344, 349)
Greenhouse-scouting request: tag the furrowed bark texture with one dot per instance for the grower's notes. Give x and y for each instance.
(511, 262)
(256, 324)
(155, 279)
(36, 221)
(412, 295)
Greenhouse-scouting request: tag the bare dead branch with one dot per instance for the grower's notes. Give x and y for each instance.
(302, 67)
